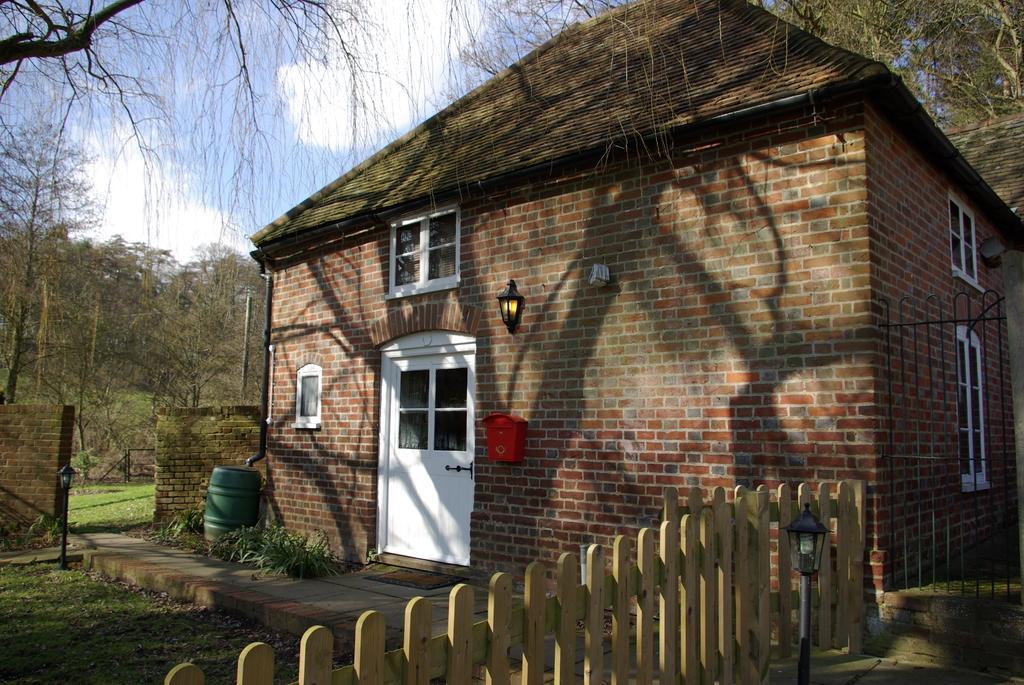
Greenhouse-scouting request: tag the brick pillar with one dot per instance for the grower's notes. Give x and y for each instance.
(35, 442)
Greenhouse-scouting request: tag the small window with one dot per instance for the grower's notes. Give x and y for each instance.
(425, 253)
(962, 241)
(970, 410)
(308, 387)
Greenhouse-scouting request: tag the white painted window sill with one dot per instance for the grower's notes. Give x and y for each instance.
(307, 425)
(436, 285)
(963, 277)
(971, 486)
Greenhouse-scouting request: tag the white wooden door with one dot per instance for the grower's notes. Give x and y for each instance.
(427, 447)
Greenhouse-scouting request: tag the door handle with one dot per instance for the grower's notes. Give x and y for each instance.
(459, 468)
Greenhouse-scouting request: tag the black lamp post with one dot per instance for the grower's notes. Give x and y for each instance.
(806, 541)
(511, 304)
(67, 474)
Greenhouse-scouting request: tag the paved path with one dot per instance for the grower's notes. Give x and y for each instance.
(284, 604)
(293, 605)
(834, 668)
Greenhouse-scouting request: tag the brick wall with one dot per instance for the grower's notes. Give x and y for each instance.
(950, 630)
(35, 442)
(189, 443)
(737, 344)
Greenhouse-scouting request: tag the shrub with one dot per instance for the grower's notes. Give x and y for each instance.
(275, 549)
(83, 461)
(187, 521)
(47, 528)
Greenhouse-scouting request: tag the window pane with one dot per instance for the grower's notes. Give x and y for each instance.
(968, 245)
(979, 453)
(954, 235)
(962, 354)
(407, 269)
(451, 387)
(408, 238)
(412, 430)
(442, 230)
(450, 430)
(309, 391)
(442, 262)
(965, 453)
(413, 389)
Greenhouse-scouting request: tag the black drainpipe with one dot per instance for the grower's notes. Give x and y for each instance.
(261, 257)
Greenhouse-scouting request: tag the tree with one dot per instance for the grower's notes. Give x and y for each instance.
(190, 85)
(964, 59)
(196, 354)
(43, 200)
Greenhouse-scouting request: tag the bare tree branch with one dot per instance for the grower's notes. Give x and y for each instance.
(70, 38)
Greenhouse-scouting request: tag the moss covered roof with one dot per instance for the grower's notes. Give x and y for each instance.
(995, 149)
(643, 68)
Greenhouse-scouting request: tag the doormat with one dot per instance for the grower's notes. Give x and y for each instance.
(421, 580)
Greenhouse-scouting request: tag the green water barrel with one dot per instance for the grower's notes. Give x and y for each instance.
(232, 500)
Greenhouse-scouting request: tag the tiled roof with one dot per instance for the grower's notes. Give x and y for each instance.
(639, 69)
(996, 150)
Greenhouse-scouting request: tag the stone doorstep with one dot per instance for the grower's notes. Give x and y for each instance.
(273, 612)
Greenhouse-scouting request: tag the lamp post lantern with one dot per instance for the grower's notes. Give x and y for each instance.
(806, 542)
(67, 475)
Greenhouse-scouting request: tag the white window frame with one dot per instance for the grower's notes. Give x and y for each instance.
(972, 249)
(424, 285)
(309, 370)
(967, 344)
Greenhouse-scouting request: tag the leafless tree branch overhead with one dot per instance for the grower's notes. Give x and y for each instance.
(40, 30)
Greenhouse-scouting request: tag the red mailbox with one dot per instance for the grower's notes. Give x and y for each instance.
(506, 437)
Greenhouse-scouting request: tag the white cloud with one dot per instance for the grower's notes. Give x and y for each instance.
(406, 51)
(153, 203)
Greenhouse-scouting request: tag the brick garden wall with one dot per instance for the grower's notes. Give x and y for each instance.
(737, 345)
(189, 443)
(35, 442)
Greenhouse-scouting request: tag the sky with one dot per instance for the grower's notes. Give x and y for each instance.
(184, 165)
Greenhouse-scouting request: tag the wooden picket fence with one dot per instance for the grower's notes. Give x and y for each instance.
(707, 599)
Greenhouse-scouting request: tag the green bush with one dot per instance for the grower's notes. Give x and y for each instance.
(82, 462)
(275, 549)
(188, 521)
(47, 528)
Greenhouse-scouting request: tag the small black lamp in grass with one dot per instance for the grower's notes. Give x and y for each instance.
(67, 475)
(806, 541)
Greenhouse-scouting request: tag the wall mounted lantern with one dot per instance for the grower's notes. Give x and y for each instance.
(67, 475)
(806, 541)
(511, 304)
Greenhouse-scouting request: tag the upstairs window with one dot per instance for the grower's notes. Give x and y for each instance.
(425, 253)
(308, 388)
(970, 410)
(961, 241)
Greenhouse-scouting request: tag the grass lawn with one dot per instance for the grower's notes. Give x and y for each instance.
(101, 508)
(72, 627)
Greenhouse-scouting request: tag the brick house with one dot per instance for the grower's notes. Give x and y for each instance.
(752, 191)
